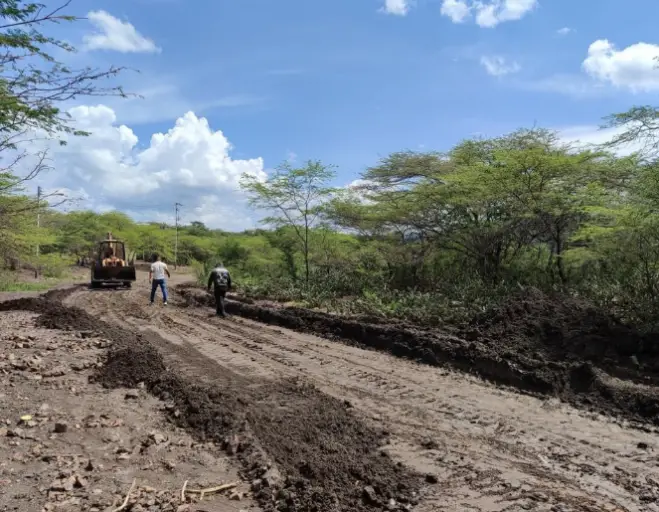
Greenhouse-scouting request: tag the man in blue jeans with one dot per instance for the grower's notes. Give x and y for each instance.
(157, 278)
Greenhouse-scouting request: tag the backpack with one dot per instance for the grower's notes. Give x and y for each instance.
(221, 279)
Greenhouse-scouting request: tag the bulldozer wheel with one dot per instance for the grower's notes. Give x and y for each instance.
(128, 285)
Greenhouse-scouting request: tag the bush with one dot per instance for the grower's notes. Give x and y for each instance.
(52, 265)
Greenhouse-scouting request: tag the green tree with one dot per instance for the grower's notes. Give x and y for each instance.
(233, 253)
(32, 81)
(33, 84)
(295, 197)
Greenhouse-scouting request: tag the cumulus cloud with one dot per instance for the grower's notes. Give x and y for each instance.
(487, 13)
(358, 190)
(586, 136)
(606, 71)
(457, 10)
(114, 34)
(633, 68)
(190, 163)
(396, 7)
(499, 66)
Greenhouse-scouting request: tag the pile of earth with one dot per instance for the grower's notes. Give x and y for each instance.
(300, 449)
(538, 344)
(559, 329)
(260, 309)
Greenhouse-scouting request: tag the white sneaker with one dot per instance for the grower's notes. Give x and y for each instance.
(164, 303)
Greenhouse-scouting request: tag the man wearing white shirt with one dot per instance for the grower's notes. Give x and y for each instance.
(157, 278)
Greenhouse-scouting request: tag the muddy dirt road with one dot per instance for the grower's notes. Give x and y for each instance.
(69, 445)
(490, 449)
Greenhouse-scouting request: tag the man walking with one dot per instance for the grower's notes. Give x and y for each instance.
(220, 279)
(157, 278)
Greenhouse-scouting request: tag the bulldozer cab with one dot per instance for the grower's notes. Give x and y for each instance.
(111, 251)
(111, 267)
(109, 248)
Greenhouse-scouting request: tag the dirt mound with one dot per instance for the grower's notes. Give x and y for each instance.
(535, 343)
(55, 315)
(302, 450)
(566, 330)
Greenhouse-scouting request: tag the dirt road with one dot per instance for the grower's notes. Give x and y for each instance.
(490, 449)
(69, 445)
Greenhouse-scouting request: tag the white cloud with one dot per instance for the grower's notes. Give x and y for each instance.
(396, 7)
(117, 35)
(564, 31)
(457, 10)
(590, 135)
(358, 190)
(605, 71)
(190, 163)
(633, 68)
(498, 66)
(487, 13)
(578, 86)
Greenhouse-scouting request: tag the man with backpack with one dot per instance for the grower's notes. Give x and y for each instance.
(220, 279)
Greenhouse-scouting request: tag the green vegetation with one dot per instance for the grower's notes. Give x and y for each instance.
(7, 284)
(32, 85)
(428, 237)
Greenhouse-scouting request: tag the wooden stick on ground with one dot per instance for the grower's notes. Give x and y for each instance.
(125, 503)
(211, 490)
(185, 484)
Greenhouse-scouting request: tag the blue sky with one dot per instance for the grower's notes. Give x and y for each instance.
(347, 82)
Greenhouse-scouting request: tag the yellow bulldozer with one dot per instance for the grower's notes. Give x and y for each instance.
(111, 265)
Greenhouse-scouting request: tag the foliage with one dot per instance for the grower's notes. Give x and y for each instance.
(430, 238)
(33, 83)
(295, 197)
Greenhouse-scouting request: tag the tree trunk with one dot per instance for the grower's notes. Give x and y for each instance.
(559, 256)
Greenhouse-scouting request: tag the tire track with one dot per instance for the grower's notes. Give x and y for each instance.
(490, 448)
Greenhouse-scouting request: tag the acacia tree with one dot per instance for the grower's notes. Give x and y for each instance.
(33, 84)
(490, 203)
(295, 197)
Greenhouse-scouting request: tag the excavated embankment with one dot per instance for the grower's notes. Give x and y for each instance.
(540, 344)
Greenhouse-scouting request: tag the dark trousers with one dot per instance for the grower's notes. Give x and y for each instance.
(219, 301)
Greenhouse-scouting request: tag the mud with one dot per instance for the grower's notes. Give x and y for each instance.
(84, 444)
(537, 344)
(301, 449)
(566, 329)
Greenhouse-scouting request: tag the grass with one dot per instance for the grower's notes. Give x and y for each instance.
(17, 286)
(24, 282)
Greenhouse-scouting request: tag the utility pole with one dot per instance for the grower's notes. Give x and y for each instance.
(177, 206)
(38, 215)
(36, 267)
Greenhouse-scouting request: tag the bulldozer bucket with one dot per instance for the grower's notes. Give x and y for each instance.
(113, 275)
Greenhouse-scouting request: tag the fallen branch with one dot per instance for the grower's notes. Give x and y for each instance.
(125, 503)
(212, 490)
(185, 484)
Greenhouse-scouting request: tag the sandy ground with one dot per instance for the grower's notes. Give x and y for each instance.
(69, 445)
(491, 449)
